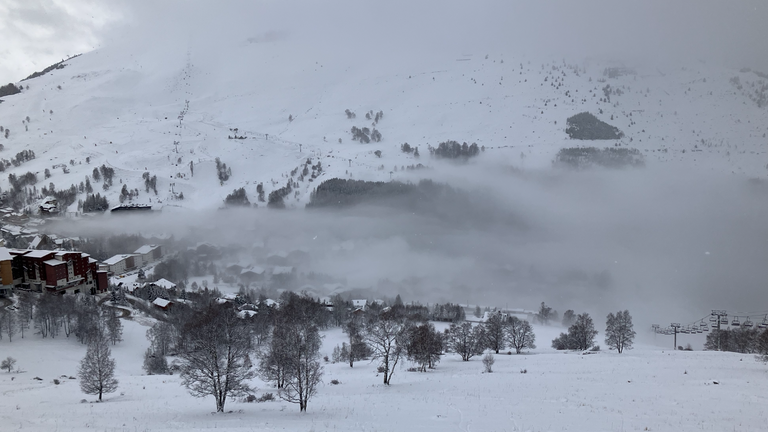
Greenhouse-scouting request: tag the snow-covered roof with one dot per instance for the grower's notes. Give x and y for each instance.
(146, 249)
(359, 303)
(54, 262)
(38, 253)
(5, 255)
(246, 313)
(164, 283)
(35, 242)
(268, 302)
(116, 259)
(161, 302)
(253, 269)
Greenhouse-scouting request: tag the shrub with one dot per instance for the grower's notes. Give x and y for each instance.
(488, 362)
(335, 382)
(266, 397)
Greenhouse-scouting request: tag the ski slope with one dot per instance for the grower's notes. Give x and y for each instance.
(159, 108)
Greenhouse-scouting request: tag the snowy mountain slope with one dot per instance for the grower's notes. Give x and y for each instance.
(123, 109)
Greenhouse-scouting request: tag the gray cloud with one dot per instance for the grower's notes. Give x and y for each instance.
(38, 33)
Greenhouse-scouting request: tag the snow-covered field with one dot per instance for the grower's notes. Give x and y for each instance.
(648, 388)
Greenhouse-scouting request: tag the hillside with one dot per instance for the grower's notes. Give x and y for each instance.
(161, 109)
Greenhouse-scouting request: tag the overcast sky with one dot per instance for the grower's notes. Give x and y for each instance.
(37, 33)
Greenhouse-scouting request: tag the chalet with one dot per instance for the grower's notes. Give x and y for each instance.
(162, 303)
(252, 274)
(49, 207)
(163, 283)
(149, 253)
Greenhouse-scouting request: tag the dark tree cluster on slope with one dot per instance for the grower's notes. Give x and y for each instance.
(128, 194)
(350, 114)
(238, 197)
(20, 182)
(454, 150)
(59, 65)
(9, 89)
(361, 135)
(150, 182)
(580, 336)
(95, 203)
(260, 191)
(275, 199)
(105, 172)
(585, 126)
(22, 156)
(609, 157)
(222, 171)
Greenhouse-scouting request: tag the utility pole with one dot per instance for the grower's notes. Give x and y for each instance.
(655, 328)
(719, 313)
(675, 326)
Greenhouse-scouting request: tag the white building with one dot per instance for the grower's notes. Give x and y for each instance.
(122, 263)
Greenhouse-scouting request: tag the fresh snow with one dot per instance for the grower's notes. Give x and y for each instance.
(647, 388)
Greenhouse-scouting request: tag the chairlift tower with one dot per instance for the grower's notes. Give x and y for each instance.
(719, 314)
(675, 326)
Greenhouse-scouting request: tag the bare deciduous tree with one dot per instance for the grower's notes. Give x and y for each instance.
(582, 333)
(216, 361)
(520, 334)
(303, 369)
(97, 369)
(8, 363)
(385, 336)
(495, 332)
(466, 340)
(619, 331)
